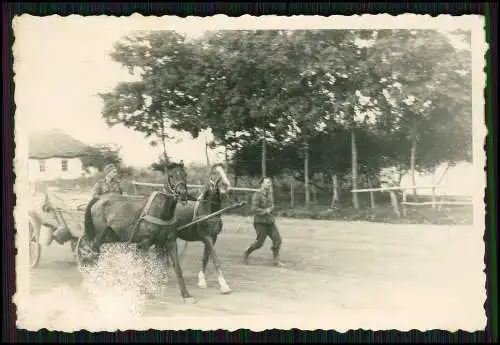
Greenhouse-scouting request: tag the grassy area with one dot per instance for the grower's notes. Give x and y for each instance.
(385, 214)
(381, 214)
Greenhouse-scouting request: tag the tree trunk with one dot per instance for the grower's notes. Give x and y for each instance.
(354, 168)
(263, 158)
(413, 156)
(434, 189)
(306, 174)
(226, 159)
(335, 191)
(206, 155)
(292, 193)
(372, 194)
(412, 164)
(395, 203)
(165, 157)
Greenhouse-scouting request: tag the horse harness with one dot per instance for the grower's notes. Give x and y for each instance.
(155, 220)
(147, 217)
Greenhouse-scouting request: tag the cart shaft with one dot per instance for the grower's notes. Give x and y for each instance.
(211, 215)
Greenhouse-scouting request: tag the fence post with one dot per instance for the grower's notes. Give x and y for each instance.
(434, 198)
(292, 194)
(439, 205)
(135, 187)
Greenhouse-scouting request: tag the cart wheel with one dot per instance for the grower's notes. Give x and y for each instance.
(85, 256)
(35, 247)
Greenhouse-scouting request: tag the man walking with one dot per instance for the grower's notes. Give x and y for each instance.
(264, 222)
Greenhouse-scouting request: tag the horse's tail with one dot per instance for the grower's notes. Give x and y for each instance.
(88, 222)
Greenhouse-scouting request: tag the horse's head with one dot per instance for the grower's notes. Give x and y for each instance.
(177, 180)
(218, 184)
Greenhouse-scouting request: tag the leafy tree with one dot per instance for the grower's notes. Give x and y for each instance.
(280, 159)
(160, 164)
(241, 103)
(352, 84)
(166, 64)
(318, 95)
(426, 81)
(101, 155)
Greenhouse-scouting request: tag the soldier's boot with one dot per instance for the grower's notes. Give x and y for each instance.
(276, 259)
(246, 255)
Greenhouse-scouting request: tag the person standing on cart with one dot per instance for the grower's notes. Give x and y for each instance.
(109, 184)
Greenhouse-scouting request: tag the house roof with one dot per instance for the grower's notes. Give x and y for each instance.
(55, 143)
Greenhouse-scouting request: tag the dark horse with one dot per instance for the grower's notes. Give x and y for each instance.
(144, 221)
(209, 201)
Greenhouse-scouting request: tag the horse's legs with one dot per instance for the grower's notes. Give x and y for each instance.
(98, 239)
(183, 253)
(224, 287)
(161, 253)
(172, 252)
(163, 256)
(202, 283)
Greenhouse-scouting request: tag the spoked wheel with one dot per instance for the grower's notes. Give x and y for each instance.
(35, 247)
(85, 256)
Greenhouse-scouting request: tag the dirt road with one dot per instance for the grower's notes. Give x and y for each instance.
(338, 275)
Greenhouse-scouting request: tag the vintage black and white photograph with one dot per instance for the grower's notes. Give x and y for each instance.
(250, 172)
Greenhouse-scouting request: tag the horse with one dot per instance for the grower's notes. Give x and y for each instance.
(209, 201)
(146, 221)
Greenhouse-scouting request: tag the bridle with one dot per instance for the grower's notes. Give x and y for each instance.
(174, 190)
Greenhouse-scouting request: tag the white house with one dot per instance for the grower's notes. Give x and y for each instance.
(55, 155)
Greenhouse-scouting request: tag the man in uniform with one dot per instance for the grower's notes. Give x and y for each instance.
(264, 222)
(109, 184)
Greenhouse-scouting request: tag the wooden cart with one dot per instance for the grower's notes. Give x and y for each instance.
(63, 225)
(69, 227)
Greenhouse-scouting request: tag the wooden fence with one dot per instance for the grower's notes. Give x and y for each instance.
(158, 185)
(435, 203)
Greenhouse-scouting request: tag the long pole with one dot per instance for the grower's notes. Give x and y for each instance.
(211, 215)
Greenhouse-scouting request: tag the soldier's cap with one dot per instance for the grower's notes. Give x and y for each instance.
(108, 168)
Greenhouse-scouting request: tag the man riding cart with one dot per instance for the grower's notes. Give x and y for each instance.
(108, 184)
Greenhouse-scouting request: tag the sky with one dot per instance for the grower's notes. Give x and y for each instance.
(62, 63)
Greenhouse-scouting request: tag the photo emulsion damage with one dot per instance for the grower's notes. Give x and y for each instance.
(253, 172)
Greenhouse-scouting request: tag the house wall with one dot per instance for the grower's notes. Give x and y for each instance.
(54, 169)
